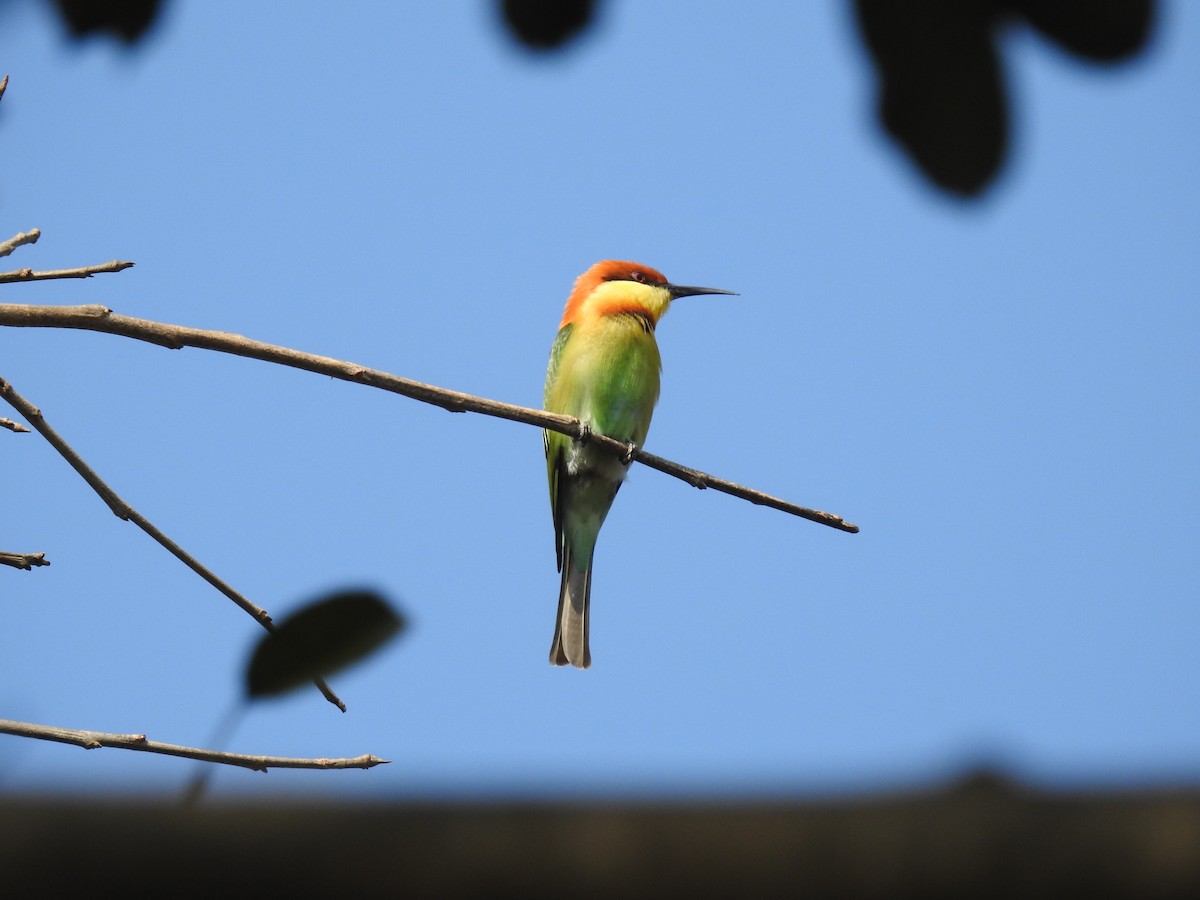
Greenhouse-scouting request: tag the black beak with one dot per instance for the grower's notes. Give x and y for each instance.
(681, 290)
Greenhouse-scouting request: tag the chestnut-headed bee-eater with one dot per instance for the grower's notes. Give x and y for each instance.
(604, 370)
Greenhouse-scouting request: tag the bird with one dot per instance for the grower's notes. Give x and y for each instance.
(604, 370)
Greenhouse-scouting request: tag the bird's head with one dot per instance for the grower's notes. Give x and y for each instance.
(615, 287)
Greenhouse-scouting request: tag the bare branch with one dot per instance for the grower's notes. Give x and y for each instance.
(93, 740)
(13, 426)
(174, 337)
(115, 265)
(701, 480)
(3, 86)
(123, 510)
(25, 561)
(19, 240)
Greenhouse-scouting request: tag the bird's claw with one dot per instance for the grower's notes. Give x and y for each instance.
(585, 433)
(630, 449)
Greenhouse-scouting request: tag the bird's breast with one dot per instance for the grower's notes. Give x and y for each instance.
(609, 377)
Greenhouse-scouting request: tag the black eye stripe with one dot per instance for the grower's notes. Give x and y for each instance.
(638, 277)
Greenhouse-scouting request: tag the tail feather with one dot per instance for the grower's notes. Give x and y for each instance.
(570, 644)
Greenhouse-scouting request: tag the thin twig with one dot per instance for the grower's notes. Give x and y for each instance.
(25, 561)
(100, 318)
(19, 240)
(13, 426)
(3, 86)
(115, 265)
(93, 740)
(123, 510)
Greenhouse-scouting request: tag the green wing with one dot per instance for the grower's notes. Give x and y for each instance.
(555, 444)
(556, 352)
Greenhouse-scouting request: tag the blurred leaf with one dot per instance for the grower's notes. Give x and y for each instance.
(126, 19)
(1099, 30)
(545, 24)
(942, 94)
(327, 635)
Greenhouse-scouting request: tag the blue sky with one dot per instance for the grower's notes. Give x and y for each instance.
(1001, 394)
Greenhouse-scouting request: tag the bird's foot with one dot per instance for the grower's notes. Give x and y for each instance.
(585, 433)
(630, 449)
